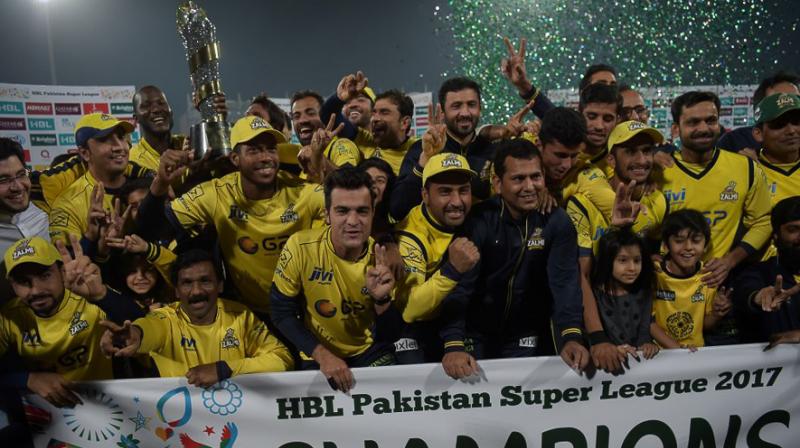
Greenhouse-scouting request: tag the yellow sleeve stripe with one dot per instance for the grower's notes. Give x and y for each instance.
(416, 171)
(453, 344)
(571, 331)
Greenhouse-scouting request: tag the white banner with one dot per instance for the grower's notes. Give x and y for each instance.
(726, 396)
(42, 118)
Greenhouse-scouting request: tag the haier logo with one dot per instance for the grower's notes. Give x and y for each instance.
(672, 197)
(43, 140)
(321, 275)
(39, 108)
(67, 108)
(11, 107)
(41, 124)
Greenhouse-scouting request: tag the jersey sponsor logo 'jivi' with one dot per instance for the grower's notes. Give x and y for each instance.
(321, 275)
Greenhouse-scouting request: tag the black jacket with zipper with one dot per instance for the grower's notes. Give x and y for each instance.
(527, 277)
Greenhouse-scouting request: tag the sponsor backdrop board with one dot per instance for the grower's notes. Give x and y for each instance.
(42, 118)
(723, 396)
(736, 109)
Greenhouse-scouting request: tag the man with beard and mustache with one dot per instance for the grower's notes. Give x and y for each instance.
(306, 108)
(527, 276)
(53, 323)
(459, 101)
(103, 144)
(631, 148)
(730, 189)
(434, 258)
(254, 209)
(201, 336)
(262, 106)
(332, 287)
(768, 293)
(358, 109)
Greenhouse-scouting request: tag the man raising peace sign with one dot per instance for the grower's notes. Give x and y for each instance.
(337, 278)
(53, 323)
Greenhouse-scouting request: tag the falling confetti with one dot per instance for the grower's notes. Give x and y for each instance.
(651, 43)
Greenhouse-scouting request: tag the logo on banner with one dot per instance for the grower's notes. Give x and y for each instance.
(39, 108)
(41, 124)
(22, 139)
(224, 398)
(11, 108)
(122, 108)
(43, 140)
(90, 108)
(12, 124)
(67, 108)
(66, 139)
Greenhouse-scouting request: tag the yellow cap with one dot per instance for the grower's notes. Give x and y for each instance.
(97, 125)
(369, 93)
(629, 129)
(30, 250)
(247, 128)
(445, 163)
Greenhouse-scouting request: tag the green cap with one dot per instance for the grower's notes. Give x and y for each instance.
(776, 105)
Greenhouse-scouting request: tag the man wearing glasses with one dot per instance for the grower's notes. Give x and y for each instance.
(18, 217)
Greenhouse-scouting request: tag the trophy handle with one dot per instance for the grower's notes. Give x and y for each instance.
(213, 136)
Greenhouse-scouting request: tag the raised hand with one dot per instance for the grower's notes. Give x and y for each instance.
(380, 279)
(625, 209)
(515, 125)
(513, 66)
(120, 341)
(463, 254)
(98, 216)
(115, 228)
(435, 137)
(172, 166)
(351, 85)
(772, 298)
(132, 244)
(81, 276)
(722, 302)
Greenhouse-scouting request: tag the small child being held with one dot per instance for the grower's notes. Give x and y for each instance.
(683, 306)
(622, 281)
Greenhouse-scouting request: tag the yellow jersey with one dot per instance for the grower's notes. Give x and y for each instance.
(423, 244)
(251, 232)
(47, 185)
(67, 342)
(393, 156)
(236, 336)
(593, 184)
(339, 312)
(783, 179)
(69, 213)
(680, 305)
(144, 155)
(729, 190)
(599, 160)
(365, 142)
(591, 225)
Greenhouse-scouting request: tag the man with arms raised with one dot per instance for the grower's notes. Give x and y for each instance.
(254, 209)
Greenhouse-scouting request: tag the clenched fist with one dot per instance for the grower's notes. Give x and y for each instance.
(463, 254)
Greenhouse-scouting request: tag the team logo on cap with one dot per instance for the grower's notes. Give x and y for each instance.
(451, 161)
(259, 123)
(24, 248)
(636, 125)
(784, 100)
(106, 117)
(729, 193)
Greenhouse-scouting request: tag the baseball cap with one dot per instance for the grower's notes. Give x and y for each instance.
(445, 163)
(98, 125)
(30, 250)
(775, 105)
(247, 128)
(629, 129)
(369, 93)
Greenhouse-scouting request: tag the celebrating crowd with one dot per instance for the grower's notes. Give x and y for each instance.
(583, 234)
